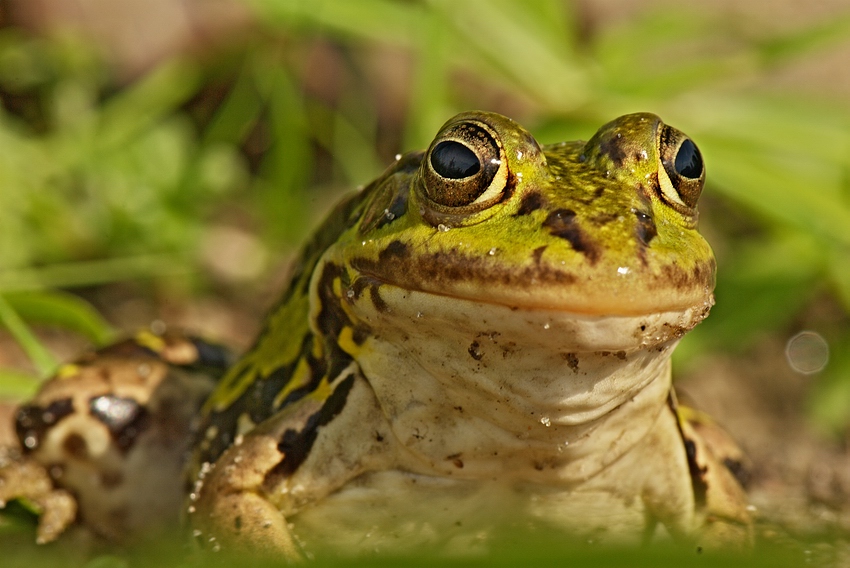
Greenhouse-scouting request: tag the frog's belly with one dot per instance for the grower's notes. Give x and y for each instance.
(394, 511)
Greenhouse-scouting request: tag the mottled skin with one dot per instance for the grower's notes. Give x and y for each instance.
(412, 347)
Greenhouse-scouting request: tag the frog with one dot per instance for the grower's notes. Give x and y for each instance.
(480, 337)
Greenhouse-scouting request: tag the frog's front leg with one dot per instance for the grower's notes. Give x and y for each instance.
(307, 450)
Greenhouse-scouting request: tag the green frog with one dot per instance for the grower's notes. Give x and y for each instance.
(480, 337)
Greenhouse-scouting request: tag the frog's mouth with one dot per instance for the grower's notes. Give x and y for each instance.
(601, 290)
(373, 301)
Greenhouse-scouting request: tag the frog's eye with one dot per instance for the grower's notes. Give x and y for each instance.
(465, 166)
(684, 169)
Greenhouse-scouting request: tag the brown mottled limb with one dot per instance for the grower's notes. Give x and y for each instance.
(24, 479)
(727, 522)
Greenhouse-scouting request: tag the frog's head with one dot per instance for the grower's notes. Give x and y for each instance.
(606, 227)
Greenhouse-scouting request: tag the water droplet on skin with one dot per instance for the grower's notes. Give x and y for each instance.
(519, 175)
(545, 421)
(397, 157)
(807, 352)
(623, 270)
(496, 161)
(519, 154)
(419, 314)
(442, 228)
(389, 215)
(349, 293)
(545, 326)
(643, 155)
(492, 251)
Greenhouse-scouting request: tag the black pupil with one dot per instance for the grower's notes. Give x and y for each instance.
(688, 160)
(453, 160)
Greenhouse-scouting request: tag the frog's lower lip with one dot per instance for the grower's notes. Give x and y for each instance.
(593, 303)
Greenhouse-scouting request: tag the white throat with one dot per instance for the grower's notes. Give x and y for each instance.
(469, 387)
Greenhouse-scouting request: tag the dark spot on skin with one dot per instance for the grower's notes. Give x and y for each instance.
(379, 437)
(702, 275)
(75, 446)
(562, 223)
(360, 334)
(475, 351)
(537, 254)
(571, 360)
(111, 479)
(458, 463)
(538, 466)
(395, 250)
(295, 445)
(459, 408)
(125, 418)
(597, 193)
(32, 421)
(374, 286)
(211, 355)
(643, 327)
(237, 523)
(741, 473)
(645, 228)
(697, 473)
(603, 219)
(611, 147)
(531, 201)
(621, 355)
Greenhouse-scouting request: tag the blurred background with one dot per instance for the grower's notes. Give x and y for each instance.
(162, 160)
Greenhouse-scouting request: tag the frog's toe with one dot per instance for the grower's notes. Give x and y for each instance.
(229, 509)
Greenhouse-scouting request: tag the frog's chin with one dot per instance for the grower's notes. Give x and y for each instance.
(386, 306)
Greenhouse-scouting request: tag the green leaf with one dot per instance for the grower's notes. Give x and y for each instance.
(42, 359)
(62, 309)
(17, 385)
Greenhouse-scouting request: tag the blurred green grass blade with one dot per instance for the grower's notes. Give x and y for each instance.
(16, 385)
(782, 188)
(839, 272)
(61, 309)
(237, 114)
(800, 42)
(507, 36)
(40, 357)
(288, 163)
(147, 101)
(829, 399)
(429, 106)
(377, 20)
(86, 273)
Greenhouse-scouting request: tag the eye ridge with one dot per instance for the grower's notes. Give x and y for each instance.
(454, 160)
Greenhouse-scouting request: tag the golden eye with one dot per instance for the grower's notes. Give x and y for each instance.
(465, 166)
(684, 167)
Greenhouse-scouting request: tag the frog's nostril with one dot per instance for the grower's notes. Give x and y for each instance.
(454, 160)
